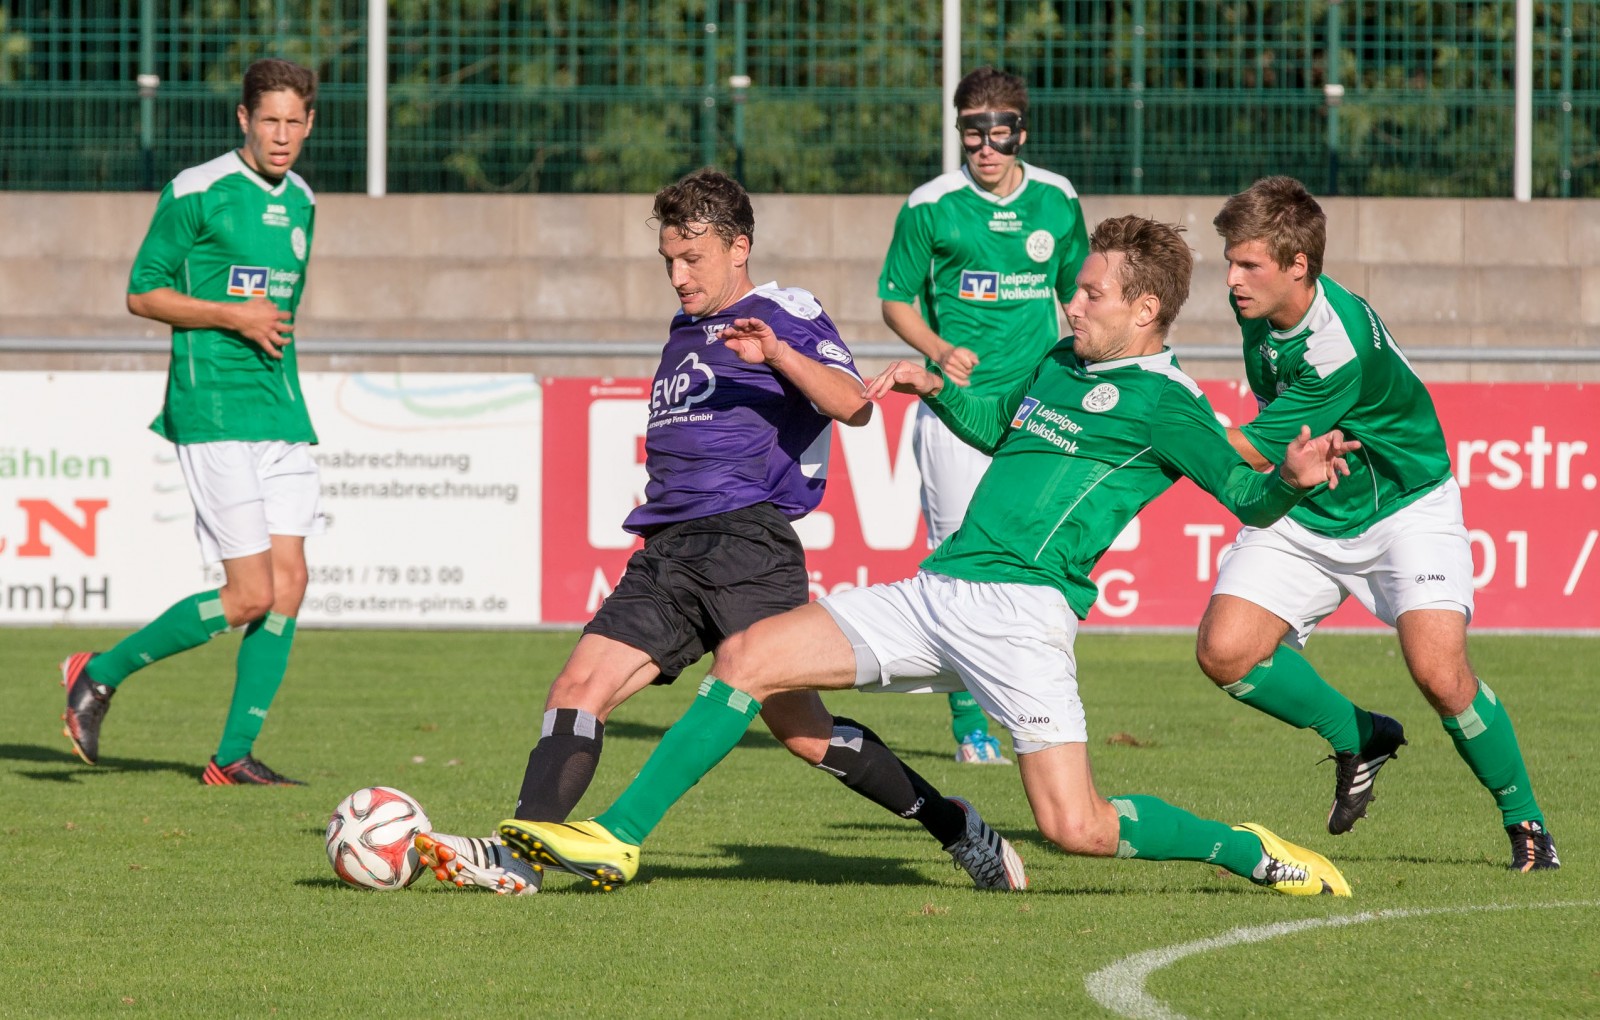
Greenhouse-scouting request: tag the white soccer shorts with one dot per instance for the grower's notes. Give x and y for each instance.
(1416, 558)
(1009, 644)
(246, 492)
(950, 473)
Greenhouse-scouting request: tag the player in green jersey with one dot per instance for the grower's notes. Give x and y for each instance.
(224, 265)
(1392, 536)
(987, 251)
(1105, 424)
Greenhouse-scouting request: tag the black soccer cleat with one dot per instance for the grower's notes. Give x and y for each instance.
(87, 703)
(1532, 849)
(1355, 772)
(247, 771)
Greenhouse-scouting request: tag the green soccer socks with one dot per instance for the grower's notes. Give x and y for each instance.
(263, 659)
(1287, 688)
(1487, 743)
(692, 747)
(187, 624)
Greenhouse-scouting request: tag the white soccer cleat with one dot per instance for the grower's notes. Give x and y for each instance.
(979, 748)
(466, 860)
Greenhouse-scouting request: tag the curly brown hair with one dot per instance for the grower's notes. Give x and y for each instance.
(706, 196)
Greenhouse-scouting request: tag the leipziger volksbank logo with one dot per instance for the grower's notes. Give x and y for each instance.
(247, 281)
(977, 285)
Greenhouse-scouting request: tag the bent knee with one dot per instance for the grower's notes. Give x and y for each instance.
(1087, 835)
(738, 660)
(248, 605)
(587, 689)
(1226, 658)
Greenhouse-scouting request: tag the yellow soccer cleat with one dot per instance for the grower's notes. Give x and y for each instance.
(586, 849)
(1292, 869)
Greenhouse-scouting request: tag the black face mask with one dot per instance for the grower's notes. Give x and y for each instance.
(983, 123)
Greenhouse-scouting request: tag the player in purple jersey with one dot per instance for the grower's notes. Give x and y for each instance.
(741, 412)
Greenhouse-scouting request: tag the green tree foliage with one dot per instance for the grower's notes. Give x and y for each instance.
(620, 95)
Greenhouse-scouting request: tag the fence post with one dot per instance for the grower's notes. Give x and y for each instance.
(1137, 125)
(1566, 99)
(377, 98)
(149, 82)
(708, 102)
(1522, 153)
(1333, 95)
(740, 85)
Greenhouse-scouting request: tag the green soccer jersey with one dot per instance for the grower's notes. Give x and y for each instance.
(988, 271)
(1339, 368)
(222, 232)
(1078, 451)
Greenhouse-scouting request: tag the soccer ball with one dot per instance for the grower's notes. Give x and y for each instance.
(370, 839)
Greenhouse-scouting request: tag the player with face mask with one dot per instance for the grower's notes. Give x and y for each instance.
(987, 252)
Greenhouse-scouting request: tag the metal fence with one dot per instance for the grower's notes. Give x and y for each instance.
(1154, 96)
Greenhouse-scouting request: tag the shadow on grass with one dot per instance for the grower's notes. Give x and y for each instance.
(77, 770)
(805, 865)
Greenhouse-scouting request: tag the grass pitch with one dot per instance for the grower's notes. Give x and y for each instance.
(771, 890)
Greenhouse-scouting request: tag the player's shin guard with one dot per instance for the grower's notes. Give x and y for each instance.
(186, 624)
(263, 659)
(1152, 830)
(562, 765)
(693, 746)
(1487, 743)
(1286, 687)
(859, 759)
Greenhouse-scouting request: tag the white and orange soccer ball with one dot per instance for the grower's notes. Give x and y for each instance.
(370, 838)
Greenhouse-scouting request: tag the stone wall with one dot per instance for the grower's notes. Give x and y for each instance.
(1487, 274)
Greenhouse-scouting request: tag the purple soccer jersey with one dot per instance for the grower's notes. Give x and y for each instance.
(724, 434)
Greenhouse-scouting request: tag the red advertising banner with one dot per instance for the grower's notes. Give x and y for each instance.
(1521, 452)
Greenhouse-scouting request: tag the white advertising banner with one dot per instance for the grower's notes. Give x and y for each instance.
(430, 483)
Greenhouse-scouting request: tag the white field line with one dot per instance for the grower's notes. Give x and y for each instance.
(1119, 986)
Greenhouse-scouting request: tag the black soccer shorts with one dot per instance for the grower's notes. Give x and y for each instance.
(696, 582)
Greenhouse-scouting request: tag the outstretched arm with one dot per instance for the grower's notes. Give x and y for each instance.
(1186, 436)
(833, 392)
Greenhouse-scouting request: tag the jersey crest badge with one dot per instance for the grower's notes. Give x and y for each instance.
(247, 281)
(1102, 398)
(978, 285)
(833, 351)
(1041, 246)
(297, 241)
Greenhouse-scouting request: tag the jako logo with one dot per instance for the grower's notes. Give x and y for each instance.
(247, 281)
(979, 286)
(1023, 410)
(1425, 578)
